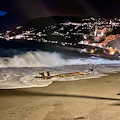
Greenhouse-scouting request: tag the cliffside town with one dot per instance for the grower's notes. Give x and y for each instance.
(71, 31)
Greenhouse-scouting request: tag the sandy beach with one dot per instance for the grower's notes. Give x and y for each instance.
(90, 99)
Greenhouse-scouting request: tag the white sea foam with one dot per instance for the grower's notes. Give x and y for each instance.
(20, 77)
(47, 59)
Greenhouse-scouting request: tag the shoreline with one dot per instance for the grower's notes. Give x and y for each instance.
(15, 78)
(93, 99)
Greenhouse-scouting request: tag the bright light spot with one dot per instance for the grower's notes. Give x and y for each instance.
(92, 51)
(112, 51)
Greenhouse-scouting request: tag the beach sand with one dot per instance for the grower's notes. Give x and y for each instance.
(90, 99)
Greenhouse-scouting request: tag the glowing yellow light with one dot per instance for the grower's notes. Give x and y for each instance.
(112, 51)
(92, 51)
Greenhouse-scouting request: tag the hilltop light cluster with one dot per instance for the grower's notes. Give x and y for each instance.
(89, 31)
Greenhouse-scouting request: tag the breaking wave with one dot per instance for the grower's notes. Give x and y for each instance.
(20, 70)
(47, 59)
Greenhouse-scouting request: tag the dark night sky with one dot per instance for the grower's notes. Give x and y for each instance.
(22, 11)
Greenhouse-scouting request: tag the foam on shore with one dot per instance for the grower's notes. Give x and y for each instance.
(12, 78)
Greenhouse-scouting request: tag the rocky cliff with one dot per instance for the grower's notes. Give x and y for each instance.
(112, 41)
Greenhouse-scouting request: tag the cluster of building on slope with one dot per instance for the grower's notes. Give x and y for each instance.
(91, 31)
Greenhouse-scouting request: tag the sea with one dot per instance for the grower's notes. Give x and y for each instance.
(20, 68)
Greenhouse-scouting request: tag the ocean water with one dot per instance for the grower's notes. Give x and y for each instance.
(20, 70)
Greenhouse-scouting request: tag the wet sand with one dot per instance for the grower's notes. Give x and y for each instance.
(90, 99)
